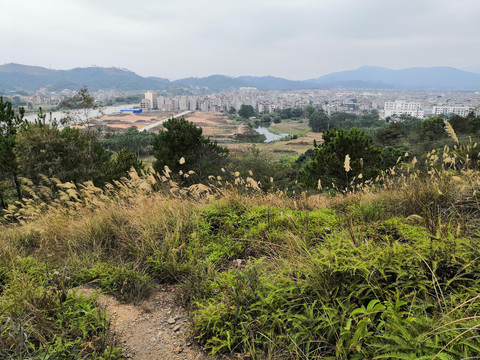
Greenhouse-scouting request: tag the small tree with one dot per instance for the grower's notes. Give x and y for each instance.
(40, 149)
(390, 135)
(319, 121)
(87, 158)
(79, 109)
(246, 111)
(329, 158)
(122, 164)
(259, 163)
(184, 140)
(432, 129)
(68, 154)
(474, 125)
(298, 112)
(309, 110)
(9, 125)
(459, 124)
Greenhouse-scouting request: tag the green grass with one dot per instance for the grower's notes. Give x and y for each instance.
(41, 318)
(292, 127)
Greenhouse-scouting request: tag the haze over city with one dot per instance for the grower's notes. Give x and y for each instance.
(295, 40)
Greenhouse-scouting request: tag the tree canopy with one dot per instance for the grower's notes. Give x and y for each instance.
(328, 164)
(78, 108)
(68, 154)
(122, 164)
(246, 111)
(433, 128)
(138, 142)
(319, 121)
(9, 124)
(182, 139)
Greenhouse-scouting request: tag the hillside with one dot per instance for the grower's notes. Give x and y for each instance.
(389, 271)
(16, 76)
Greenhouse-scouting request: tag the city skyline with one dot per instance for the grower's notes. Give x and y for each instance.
(298, 41)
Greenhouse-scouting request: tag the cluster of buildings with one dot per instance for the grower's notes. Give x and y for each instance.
(391, 104)
(262, 101)
(393, 109)
(45, 97)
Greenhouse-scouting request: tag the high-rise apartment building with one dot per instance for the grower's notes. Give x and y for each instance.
(183, 103)
(152, 97)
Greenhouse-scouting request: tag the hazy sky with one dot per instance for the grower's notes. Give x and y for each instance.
(295, 39)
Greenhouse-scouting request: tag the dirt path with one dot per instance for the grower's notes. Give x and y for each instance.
(154, 329)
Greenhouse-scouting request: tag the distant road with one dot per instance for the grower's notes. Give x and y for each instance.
(155, 124)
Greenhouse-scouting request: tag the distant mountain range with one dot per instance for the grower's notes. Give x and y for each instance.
(23, 77)
(16, 76)
(433, 78)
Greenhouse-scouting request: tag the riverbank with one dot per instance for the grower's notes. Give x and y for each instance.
(292, 127)
(269, 136)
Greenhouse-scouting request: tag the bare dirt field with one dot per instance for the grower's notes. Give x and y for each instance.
(126, 120)
(218, 127)
(215, 125)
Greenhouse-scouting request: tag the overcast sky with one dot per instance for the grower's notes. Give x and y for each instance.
(295, 39)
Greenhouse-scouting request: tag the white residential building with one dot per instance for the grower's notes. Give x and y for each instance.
(183, 103)
(192, 104)
(456, 110)
(161, 102)
(399, 107)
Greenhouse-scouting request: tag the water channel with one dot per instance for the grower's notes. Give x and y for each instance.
(269, 135)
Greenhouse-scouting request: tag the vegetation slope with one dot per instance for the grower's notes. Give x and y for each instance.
(387, 269)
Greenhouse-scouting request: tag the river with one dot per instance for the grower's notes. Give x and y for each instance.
(269, 135)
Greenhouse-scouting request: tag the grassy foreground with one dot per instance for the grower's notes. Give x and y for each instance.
(390, 271)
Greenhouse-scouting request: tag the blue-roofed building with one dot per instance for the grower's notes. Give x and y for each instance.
(133, 111)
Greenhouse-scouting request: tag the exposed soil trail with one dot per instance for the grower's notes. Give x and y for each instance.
(155, 328)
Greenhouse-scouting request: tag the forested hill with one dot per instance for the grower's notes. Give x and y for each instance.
(23, 77)
(16, 76)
